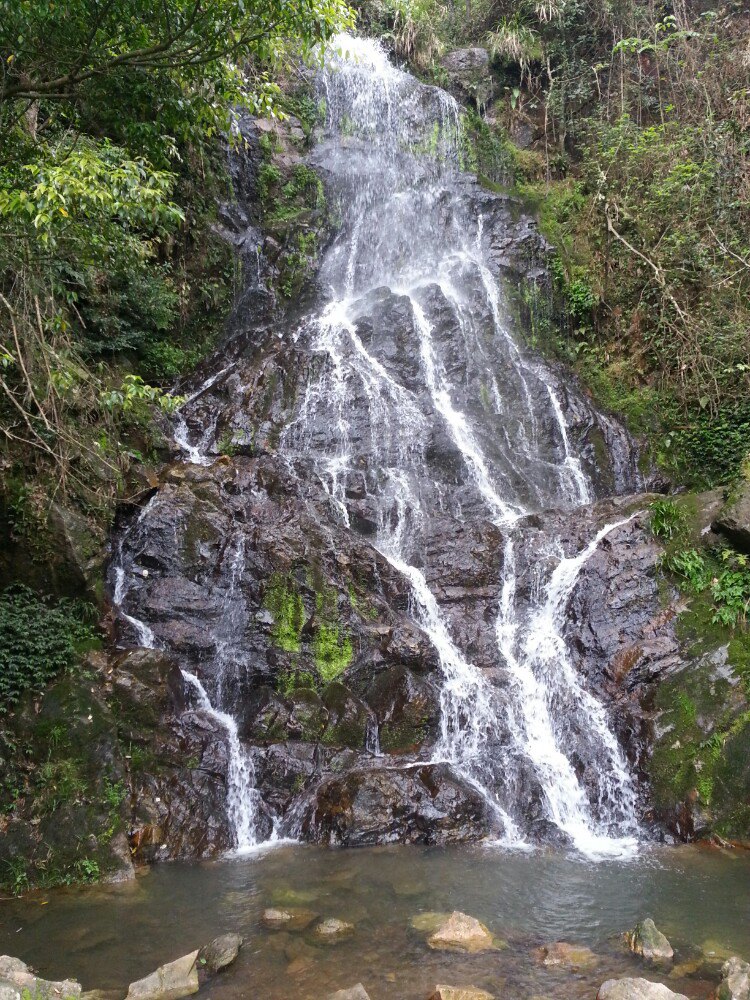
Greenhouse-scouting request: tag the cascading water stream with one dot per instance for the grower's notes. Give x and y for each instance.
(243, 801)
(409, 241)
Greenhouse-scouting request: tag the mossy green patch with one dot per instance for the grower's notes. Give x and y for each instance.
(283, 600)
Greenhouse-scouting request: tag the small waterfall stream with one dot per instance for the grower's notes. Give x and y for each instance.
(420, 390)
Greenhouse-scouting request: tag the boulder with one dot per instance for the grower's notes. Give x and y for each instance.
(735, 980)
(332, 930)
(15, 975)
(219, 953)
(461, 932)
(169, 982)
(9, 992)
(288, 918)
(460, 993)
(647, 940)
(733, 520)
(572, 956)
(636, 989)
(357, 992)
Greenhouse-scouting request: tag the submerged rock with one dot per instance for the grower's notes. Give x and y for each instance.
(461, 932)
(460, 993)
(219, 953)
(572, 956)
(647, 940)
(357, 992)
(15, 975)
(170, 982)
(290, 918)
(735, 980)
(636, 989)
(332, 930)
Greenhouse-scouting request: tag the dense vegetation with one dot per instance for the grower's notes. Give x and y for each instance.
(634, 123)
(111, 160)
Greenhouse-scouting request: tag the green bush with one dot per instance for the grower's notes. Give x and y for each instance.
(38, 640)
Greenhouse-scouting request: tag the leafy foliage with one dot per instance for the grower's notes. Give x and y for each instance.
(38, 640)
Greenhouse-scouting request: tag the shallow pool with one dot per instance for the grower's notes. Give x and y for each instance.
(108, 936)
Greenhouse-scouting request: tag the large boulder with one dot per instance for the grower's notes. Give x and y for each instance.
(648, 941)
(16, 977)
(735, 980)
(636, 989)
(461, 932)
(170, 982)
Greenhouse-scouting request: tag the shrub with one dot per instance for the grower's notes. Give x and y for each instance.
(38, 640)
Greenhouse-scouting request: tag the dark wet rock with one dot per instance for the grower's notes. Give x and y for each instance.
(733, 520)
(735, 980)
(460, 932)
(636, 989)
(649, 942)
(219, 953)
(169, 982)
(425, 804)
(15, 976)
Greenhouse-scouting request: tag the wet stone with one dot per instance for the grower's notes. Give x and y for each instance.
(220, 952)
(357, 992)
(648, 941)
(570, 956)
(17, 975)
(290, 918)
(735, 980)
(332, 930)
(636, 989)
(170, 982)
(461, 932)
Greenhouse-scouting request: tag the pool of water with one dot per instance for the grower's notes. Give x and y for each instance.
(107, 936)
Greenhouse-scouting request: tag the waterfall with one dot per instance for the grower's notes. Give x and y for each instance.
(418, 392)
(410, 241)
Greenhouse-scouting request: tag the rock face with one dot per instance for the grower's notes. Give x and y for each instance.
(647, 940)
(16, 978)
(469, 74)
(169, 982)
(735, 980)
(461, 933)
(636, 989)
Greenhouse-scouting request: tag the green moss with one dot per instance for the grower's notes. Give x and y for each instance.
(333, 651)
(399, 737)
(283, 600)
